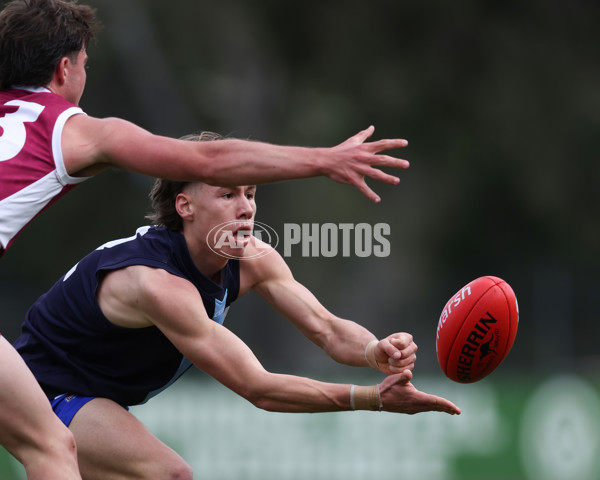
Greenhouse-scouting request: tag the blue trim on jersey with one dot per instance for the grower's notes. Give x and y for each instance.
(219, 315)
(183, 367)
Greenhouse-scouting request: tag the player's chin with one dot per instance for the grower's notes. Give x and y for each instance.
(236, 252)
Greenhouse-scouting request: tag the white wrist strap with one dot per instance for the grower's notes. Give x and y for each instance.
(370, 352)
(379, 395)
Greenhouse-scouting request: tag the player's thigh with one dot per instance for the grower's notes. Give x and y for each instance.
(112, 443)
(25, 413)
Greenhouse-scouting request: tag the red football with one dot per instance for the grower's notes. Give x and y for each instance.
(477, 329)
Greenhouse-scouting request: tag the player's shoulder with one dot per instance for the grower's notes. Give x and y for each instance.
(148, 282)
(38, 95)
(99, 136)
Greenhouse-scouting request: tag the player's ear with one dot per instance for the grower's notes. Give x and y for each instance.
(184, 206)
(61, 71)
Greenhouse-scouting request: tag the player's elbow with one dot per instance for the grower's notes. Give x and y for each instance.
(261, 399)
(264, 403)
(260, 395)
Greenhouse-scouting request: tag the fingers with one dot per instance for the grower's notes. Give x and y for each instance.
(365, 134)
(378, 145)
(386, 161)
(381, 176)
(400, 366)
(400, 396)
(405, 377)
(366, 190)
(387, 144)
(400, 352)
(402, 341)
(439, 404)
(359, 159)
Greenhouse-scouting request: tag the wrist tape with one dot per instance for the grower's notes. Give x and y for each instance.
(365, 398)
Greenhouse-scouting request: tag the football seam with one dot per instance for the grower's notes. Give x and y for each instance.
(510, 313)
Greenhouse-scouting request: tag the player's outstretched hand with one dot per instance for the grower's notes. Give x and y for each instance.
(400, 396)
(355, 159)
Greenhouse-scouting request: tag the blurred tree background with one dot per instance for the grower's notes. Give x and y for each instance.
(500, 103)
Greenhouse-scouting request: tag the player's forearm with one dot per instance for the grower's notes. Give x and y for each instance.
(228, 162)
(292, 394)
(222, 355)
(239, 162)
(394, 394)
(346, 343)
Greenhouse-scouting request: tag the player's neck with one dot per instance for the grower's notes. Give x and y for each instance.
(206, 261)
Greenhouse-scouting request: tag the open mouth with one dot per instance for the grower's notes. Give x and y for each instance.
(230, 239)
(241, 234)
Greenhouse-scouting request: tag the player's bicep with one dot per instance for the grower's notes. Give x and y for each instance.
(172, 304)
(139, 296)
(91, 144)
(175, 307)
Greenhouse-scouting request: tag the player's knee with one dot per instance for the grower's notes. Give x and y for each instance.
(52, 456)
(68, 444)
(58, 442)
(62, 442)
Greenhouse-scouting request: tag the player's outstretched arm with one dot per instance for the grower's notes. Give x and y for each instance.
(345, 341)
(139, 296)
(91, 144)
